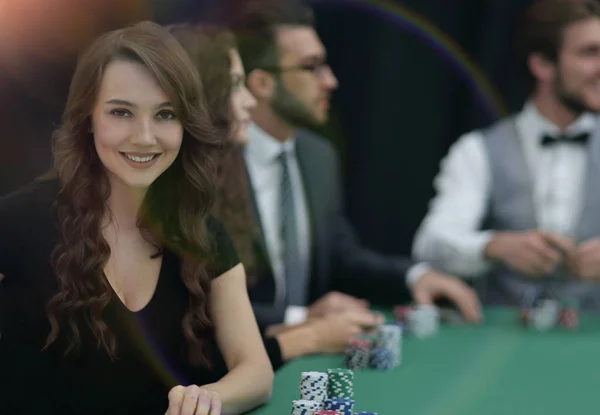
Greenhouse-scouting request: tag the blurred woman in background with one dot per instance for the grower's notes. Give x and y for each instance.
(213, 51)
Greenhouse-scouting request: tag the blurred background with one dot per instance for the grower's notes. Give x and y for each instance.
(414, 75)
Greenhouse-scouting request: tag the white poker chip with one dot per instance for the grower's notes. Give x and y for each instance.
(423, 321)
(313, 386)
(545, 315)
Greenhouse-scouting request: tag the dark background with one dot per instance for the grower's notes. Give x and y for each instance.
(402, 100)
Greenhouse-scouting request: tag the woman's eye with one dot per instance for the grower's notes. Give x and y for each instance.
(166, 115)
(120, 113)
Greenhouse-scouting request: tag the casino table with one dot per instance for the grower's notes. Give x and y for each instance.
(496, 368)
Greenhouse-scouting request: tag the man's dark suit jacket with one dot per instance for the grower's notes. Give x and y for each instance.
(337, 257)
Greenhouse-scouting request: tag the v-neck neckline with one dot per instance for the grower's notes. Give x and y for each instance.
(154, 293)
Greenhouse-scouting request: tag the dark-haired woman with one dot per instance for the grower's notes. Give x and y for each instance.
(119, 286)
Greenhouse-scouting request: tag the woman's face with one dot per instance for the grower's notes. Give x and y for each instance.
(242, 100)
(136, 133)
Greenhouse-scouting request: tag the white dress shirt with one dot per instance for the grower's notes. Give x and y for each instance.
(463, 188)
(264, 170)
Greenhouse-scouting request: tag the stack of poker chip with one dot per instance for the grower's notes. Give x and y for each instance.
(358, 353)
(383, 359)
(401, 313)
(313, 386)
(388, 336)
(544, 311)
(305, 407)
(342, 405)
(340, 384)
(387, 353)
(545, 315)
(423, 321)
(330, 393)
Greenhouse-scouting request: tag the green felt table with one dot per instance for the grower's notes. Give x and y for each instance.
(497, 368)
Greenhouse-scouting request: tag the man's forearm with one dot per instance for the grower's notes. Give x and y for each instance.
(296, 342)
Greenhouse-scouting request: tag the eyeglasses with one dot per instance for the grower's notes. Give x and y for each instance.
(318, 69)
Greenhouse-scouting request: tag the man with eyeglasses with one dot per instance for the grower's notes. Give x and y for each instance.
(305, 238)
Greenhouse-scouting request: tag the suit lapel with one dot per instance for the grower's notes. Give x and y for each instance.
(317, 195)
(310, 184)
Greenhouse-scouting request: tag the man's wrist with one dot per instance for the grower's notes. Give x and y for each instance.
(296, 342)
(490, 251)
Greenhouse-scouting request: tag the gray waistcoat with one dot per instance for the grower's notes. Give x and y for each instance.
(511, 207)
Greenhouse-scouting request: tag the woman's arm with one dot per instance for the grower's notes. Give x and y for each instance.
(249, 382)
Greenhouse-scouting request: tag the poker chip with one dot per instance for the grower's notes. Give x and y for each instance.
(305, 407)
(401, 313)
(546, 310)
(545, 315)
(569, 315)
(400, 324)
(342, 405)
(388, 337)
(423, 321)
(331, 393)
(381, 349)
(388, 348)
(383, 359)
(313, 386)
(569, 318)
(357, 353)
(340, 384)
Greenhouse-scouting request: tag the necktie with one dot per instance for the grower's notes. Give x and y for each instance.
(549, 140)
(296, 287)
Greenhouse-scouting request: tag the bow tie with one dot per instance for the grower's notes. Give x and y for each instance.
(549, 140)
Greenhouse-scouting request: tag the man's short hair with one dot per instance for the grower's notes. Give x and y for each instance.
(543, 24)
(256, 29)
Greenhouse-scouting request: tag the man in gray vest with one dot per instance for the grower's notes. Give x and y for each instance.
(305, 239)
(520, 200)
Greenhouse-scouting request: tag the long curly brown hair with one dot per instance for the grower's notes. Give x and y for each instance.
(175, 205)
(209, 48)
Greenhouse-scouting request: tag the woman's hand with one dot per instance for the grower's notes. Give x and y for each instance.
(193, 400)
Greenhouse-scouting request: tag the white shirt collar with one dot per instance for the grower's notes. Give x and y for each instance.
(263, 148)
(539, 125)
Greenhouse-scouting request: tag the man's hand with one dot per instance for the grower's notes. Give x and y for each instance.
(434, 285)
(534, 253)
(334, 332)
(335, 302)
(332, 303)
(584, 261)
(329, 335)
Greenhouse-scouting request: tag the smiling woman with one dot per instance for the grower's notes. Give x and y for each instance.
(141, 132)
(121, 289)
